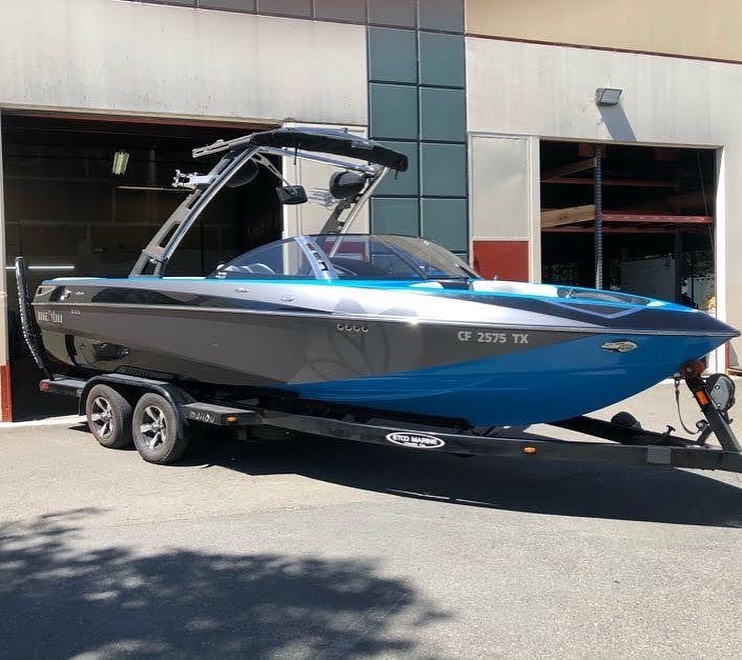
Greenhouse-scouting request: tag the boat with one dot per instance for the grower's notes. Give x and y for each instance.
(392, 325)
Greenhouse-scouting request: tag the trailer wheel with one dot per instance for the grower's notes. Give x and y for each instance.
(155, 430)
(109, 417)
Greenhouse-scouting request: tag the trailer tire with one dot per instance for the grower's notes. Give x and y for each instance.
(155, 430)
(109, 417)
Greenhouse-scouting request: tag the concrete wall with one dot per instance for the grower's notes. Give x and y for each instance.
(549, 92)
(106, 55)
(690, 28)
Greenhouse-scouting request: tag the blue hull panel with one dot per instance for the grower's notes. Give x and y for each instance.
(539, 385)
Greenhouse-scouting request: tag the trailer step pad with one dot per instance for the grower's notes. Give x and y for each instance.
(210, 413)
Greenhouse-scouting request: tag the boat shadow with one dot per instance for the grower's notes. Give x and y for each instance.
(565, 488)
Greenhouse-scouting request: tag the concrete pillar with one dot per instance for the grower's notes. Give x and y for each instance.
(5, 406)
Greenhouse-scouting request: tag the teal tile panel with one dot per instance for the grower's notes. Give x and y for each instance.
(395, 216)
(442, 59)
(392, 55)
(403, 183)
(443, 170)
(392, 111)
(392, 12)
(340, 10)
(441, 15)
(442, 114)
(445, 221)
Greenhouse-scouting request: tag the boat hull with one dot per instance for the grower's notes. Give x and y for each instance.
(540, 385)
(514, 362)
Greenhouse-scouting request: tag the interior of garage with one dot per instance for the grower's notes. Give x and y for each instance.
(657, 219)
(83, 196)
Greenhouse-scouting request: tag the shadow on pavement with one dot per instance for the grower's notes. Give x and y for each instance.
(596, 490)
(59, 601)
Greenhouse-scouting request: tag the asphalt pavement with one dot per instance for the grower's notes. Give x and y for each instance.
(311, 548)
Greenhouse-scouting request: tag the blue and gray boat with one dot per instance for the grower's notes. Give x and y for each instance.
(383, 323)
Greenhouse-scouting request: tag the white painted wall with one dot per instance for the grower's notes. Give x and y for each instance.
(549, 92)
(129, 57)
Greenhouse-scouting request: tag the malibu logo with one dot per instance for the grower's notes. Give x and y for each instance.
(47, 316)
(415, 440)
(200, 416)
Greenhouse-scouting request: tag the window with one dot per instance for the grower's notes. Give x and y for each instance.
(283, 259)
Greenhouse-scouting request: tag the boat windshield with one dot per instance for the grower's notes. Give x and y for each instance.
(389, 257)
(349, 256)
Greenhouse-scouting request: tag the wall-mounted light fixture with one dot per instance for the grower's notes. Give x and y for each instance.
(607, 96)
(120, 162)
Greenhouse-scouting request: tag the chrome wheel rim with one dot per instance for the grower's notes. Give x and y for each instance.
(101, 417)
(153, 427)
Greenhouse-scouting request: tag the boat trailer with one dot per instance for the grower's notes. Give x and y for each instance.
(628, 444)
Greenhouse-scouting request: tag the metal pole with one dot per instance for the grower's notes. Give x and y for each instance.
(678, 257)
(598, 183)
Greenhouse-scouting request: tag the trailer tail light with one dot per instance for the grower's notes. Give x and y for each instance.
(44, 386)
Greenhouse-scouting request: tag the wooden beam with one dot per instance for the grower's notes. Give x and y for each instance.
(568, 216)
(635, 223)
(571, 168)
(608, 229)
(645, 219)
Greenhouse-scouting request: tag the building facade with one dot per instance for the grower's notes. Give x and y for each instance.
(493, 101)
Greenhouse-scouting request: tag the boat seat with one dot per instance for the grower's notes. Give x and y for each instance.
(349, 267)
(260, 269)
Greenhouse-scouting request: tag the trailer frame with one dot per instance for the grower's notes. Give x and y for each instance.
(627, 444)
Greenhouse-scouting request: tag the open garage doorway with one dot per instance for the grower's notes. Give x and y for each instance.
(84, 195)
(658, 219)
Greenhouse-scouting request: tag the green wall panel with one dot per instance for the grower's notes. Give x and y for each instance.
(445, 221)
(392, 111)
(443, 170)
(442, 59)
(442, 114)
(392, 55)
(395, 216)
